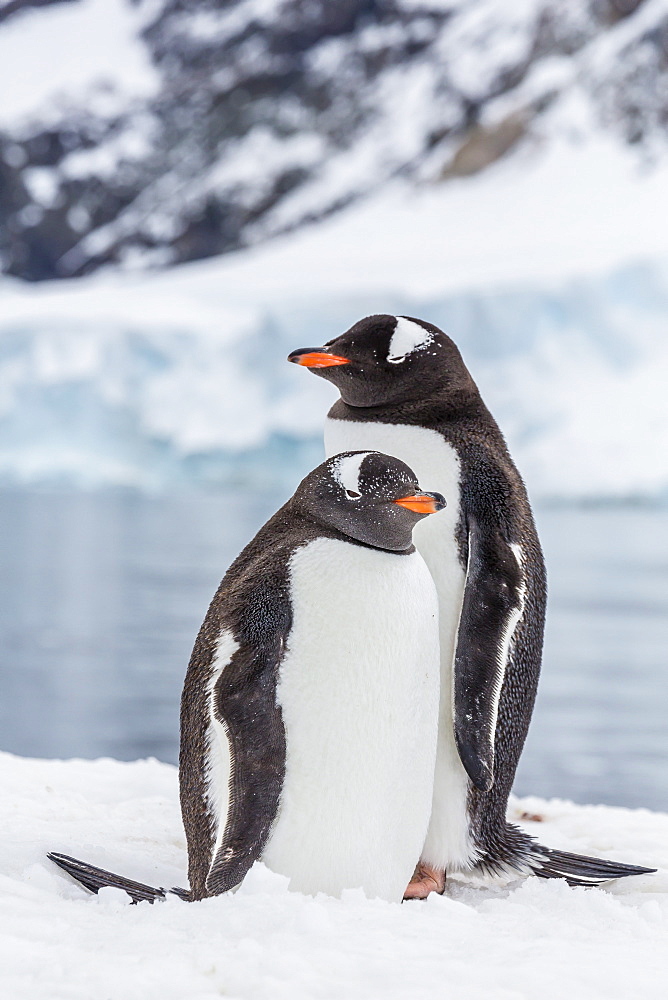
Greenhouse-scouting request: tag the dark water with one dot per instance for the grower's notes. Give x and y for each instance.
(101, 596)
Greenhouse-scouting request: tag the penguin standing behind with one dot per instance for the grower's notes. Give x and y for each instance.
(406, 391)
(309, 715)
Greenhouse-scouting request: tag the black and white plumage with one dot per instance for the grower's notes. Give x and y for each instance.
(406, 391)
(309, 715)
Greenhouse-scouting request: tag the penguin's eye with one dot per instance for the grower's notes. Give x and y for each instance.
(397, 360)
(352, 495)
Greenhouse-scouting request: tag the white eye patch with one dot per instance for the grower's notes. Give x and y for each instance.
(407, 337)
(347, 473)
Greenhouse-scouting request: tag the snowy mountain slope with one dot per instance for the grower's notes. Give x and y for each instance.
(157, 131)
(533, 940)
(180, 377)
(67, 56)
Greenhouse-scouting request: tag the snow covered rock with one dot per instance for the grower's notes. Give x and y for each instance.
(153, 131)
(535, 940)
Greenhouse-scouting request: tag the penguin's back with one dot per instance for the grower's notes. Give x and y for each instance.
(358, 689)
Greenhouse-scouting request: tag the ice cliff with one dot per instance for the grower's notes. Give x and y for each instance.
(166, 380)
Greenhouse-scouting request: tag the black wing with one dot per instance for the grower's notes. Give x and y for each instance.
(492, 604)
(243, 703)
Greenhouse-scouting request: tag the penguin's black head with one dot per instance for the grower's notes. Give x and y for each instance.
(388, 359)
(368, 496)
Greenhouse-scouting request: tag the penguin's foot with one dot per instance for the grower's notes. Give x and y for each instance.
(425, 879)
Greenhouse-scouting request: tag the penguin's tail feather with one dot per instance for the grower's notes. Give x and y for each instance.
(94, 879)
(515, 853)
(578, 869)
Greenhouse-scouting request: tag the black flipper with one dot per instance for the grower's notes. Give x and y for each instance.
(492, 600)
(516, 854)
(242, 704)
(244, 699)
(578, 869)
(94, 879)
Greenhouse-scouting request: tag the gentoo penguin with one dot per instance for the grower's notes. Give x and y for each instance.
(309, 716)
(406, 391)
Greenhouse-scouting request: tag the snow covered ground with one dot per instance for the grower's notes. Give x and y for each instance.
(581, 207)
(531, 941)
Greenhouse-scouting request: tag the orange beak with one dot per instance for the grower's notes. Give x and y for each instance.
(316, 359)
(422, 503)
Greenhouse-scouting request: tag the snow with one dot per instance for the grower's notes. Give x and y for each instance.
(487, 40)
(85, 62)
(132, 142)
(64, 52)
(580, 209)
(212, 25)
(535, 940)
(608, 47)
(553, 283)
(260, 156)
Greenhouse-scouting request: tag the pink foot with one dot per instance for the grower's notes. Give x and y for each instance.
(425, 880)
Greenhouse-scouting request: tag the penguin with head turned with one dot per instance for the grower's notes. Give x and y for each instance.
(406, 391)
(309, 716)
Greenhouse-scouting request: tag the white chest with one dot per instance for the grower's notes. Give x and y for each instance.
(437, 467)
(358, 689)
